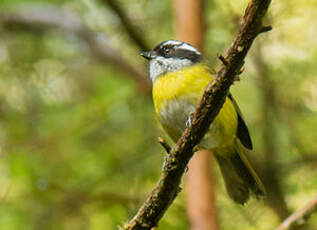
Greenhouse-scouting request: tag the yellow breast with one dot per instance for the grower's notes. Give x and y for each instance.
(189, 82)
(176, 95)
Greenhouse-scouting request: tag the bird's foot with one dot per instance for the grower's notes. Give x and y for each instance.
(164, 163)
(189, 120)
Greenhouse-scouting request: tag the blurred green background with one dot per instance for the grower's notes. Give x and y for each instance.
(78, 134)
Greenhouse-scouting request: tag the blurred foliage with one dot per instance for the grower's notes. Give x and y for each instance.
(78, 141)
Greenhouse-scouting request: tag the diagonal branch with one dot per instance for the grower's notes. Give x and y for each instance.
(38, 19)
(132, 30)
(298, 217)
(167, 187)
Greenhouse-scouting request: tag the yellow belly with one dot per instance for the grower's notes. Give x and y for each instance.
(176, 95)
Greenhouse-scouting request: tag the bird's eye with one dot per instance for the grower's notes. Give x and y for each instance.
(167, 50)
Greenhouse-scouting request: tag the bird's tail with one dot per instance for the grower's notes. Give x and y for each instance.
(239, 176)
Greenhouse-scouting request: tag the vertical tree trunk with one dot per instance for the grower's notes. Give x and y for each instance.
(200, 193)
(189, 22)
(199, 181)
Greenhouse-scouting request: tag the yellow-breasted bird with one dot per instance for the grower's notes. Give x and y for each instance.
(179, 77)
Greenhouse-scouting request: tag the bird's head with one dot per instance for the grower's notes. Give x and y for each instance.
(170, 56)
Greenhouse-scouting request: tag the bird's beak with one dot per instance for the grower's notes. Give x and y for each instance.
(148, 54)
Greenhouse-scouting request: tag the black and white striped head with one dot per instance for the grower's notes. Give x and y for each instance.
(170, 56)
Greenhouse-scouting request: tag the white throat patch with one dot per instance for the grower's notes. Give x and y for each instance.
(161, 65)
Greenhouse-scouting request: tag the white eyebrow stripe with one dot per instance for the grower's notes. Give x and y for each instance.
(189, 47)
(172, 42)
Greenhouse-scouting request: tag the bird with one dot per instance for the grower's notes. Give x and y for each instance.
(179, 76)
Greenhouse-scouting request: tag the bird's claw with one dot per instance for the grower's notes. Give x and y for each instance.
(189, 120)
(164, 163)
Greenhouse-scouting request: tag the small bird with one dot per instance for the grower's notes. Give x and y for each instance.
(180, 76)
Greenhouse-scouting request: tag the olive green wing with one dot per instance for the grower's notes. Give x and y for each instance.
(242, 129)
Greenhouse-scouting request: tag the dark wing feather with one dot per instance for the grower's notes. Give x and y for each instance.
(242, 130)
